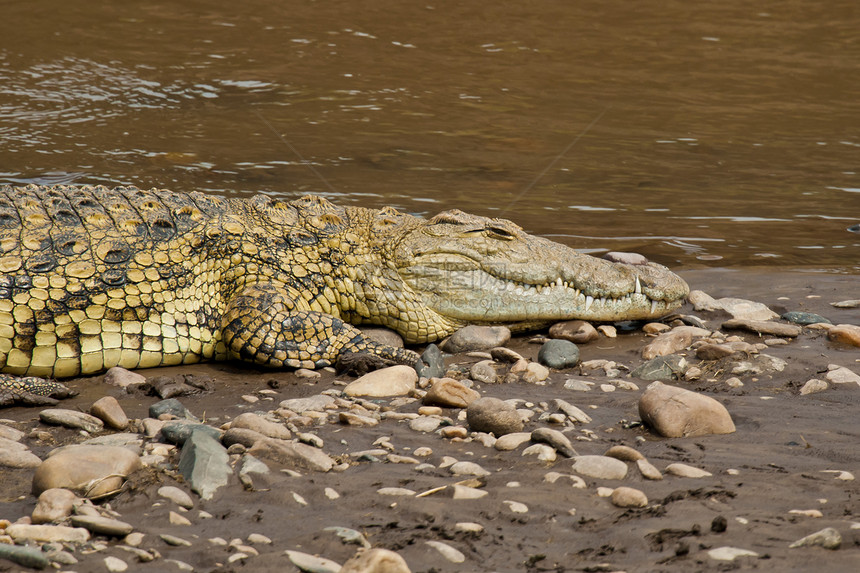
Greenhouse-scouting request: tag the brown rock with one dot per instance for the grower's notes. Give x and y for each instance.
(668, 343)
(376, 560)
(449, 392)
(392, 381)
(261, 425)
(494, 416)
(675, 412)
(108, 410)
(577, 331)
(89, 471)
(628, 497)
(292, 454)
(714, 351)
(54, 504)
(763, 327)
(624, 453)
(845, 333)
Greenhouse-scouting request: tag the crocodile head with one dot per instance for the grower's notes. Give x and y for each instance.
(469, 269)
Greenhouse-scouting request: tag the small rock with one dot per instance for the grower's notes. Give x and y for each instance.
(607, 330)
(24, 556)
(177, 431)
(205, 464)
(477, 338)
(503, 354)
(313, 564)
(535, 373)
(675, 412)
(425, 424)
(576, 331)
(247, 438)
(829, 538)
(47, 533)
(655, 328)
(559, 354)
(450, 393)
(494, 416)
(572, 411)
(392, 381)
(555, 439)
(648, 470)
(543, 452)
(714, 351)
(812, 386)
(662, 368)
(763, 327)
(484, 372)
(376, 560)
(854, 303)
(737, 307)
(842, 375)
(172, 407)
(90, 471)
(734, 382)
(110, 412)
(115, 564)
(516, 506)
(628, 497)
(102, 525)
(600, 467)
(318, 403)
(432, 365)
(174, 540)
(467, 469)
(71, 419)
(730, 553)
(54, 504)
(511, 441)
(683, 470)
(668, 343)
(804, 318)
(293, 454)
(468, 527)
(624, 453)
(118, 376)
(465, 492)
(357, 420)
(845, 333)
(261, 425)
(451, 554)
(176, 495)
(16, 455)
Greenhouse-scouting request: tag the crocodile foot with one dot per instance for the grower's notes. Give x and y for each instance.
(31, 391)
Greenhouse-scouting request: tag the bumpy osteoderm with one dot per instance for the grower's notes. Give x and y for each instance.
(92, 277)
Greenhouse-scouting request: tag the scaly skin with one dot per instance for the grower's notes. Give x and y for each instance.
(92, 277)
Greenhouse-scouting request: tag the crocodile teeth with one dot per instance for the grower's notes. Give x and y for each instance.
(653, 306)
(638, 288)
(588, 302)
(558, 282)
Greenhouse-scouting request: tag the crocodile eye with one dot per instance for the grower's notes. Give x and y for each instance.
(499, 233)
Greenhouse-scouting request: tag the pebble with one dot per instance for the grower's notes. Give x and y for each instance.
(468, 527)
(115, 564)
(555, 439)
(655, 328)
(494, 416)
(454, 432)
(676, 412)
(714, 351)
(511, 441)
(648, 470)
(71, 419)
(734, 382)
(397, 380)
(134, 539)
(683, 470)
(119, 376)
(47, 533)
(450, 553)
(727, 553)
(516, 506)
(845, 333)
(396, 491)
(465, 492)
(205, 464)
(804, 318)
(662, 368)
(24, 556)
(108, 410)
(763, 327)
(600, 467)
(376, 560)
(177, 431)
(535, 373)
(607, 330)
(357, 420)
(829, 538)
(177, 519)
(258, 539)
(477, 338)
(854, 303)
(16, 455)
(628, 497)
(503, 354)
(313, 564)
(559, 353)
(261, 425)
(318, 403)
(10, 433)
(737, 307)
(467, 469)
(624, 453)
(543, 452)
(432, 365)
(295, 455)
(572, 411)
(102, 525)
(54, 504)
(449, 393)
(90, 471)
(425, 424)
(814, 513)
(841, 375)
(172, 407)
(576, 331)
(242, 436)
(668, 343)
(174, 540)
(484, 372)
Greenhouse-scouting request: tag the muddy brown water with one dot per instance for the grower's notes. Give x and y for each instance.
(701, 134)
(722, 139)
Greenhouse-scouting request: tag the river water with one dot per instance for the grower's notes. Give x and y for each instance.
(702, 134)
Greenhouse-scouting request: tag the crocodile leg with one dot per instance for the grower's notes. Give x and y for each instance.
(263, 324)
(31, 391)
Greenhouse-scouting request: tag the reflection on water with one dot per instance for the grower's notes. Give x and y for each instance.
(700, 134)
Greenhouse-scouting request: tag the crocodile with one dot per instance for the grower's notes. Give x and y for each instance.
(93, 277)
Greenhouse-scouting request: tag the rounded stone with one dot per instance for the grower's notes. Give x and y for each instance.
(108, 410)
(393, 381)
(176, 495)
(675, 412)
(559, 354)
(102, 525)
(628, 497)
(376, 560)
(71, 419)
(89, 471)
(601, 467)
(624, 453)
(250, 421)
(54, 504)
(845, 333)
(450, 393)
(683, 470)
(493, 416)
(484, 372)
(477, 338)
(576, 331)
(804, 318)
